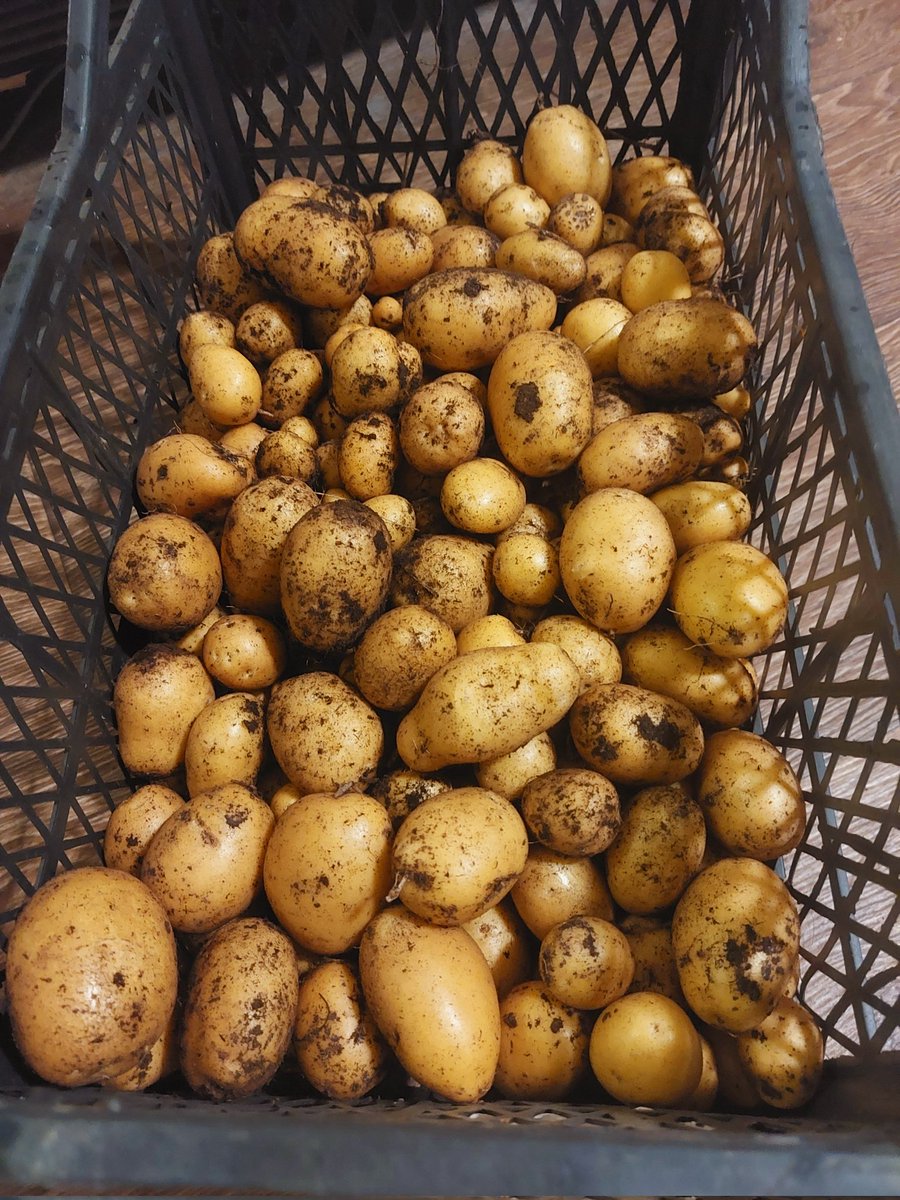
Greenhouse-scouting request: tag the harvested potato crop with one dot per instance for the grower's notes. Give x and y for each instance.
(292, 382)
(284, 453)
(484, 169)
(226, 743)
(635, 181)
(554, 887)
(492, 630)
(295, 186)
(224, 286)
(644, 1050)
(401, 791)
(350, 203)
(594, 654)
(387, 313)
(578, 220)
(156, 1062)
(203, 328)
(655, 970)
(448, 575)
(614, 400)
(268, 329)
(676, 221)
(400, 257)
(543, 257)
(482, 496)
(651, 276)
(509, 773)
(703, 510)
(783, 1056)
(225, 384)
(372, 372)
(513, 209)
(586, 962)
(368, 455)
(399, 518)
(506, 944)
(658, 849)
(413, 208)
(320, 324)
(399, 653)
(441, 426)
(464, 246)
(564, 152)
(572, 810)
(644, 452)
(244, 440)
(245, 652)
(190, 475)
(543, 1045)
(595, 326)
(133, 823)
(526, 570)
(604, 268)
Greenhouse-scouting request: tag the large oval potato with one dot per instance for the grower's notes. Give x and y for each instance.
(540, 401)
(487, 703)
(544, 257)
(658, 850)
(188, 475)
(564, 152)
(461, 319)
(643, 453)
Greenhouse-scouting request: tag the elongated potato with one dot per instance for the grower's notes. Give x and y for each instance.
(485, 167)
(132, 825)
(564, 152)
(225, 744)
(487, 703)
(504, 941)
(658, 850)
(462, 319)
(643, 453)
(635, 181)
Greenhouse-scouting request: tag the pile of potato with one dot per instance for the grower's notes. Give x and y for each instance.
(452, 637)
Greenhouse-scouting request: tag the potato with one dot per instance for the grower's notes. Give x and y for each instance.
(736, 1089)
(462, 319)
(283, 798)
(464, 246)
(133, 823)
(615, 229)
(736, 402)
(203, 328)
(482, 496)
(578, 220)
(413, 208)
(526, 570)
(554, 887)
(306, 250)
(335, 574)
(244, 440)
(337, 1044)
(657, 851)
(691, 348)
(371, 372)
(543, 1045)
(324, 736)
(603, 278)
(484, 169)
(457, 854)
(225, 744)
(650, 939)
(368, 456)
(675, 220)
(729, 597)
(784, 1055)
(239, 1010)
(292, 382)
(349, 203)
(267, 329)
(164, 573)
(616, 558)
(613, 400)
(399, 518)
(91, 976)
(192, 419)
(286, 454)
(720, 691)
(593, 653)
(735, 933)
(399, 653)
(223, 284)
(564, 152)
(513, 209)
(400, 257)
(651, 276)
(328, 868)
(448, 575)
(539, 399)
(701, 511)
(504, 941)
(750, 796)
(635, 736)
(635, 181)
(487, 703)
(225, 384)
(644, 452)
(321, 324)
(586, 962)
(294, 186)
(722, 436)
(535, 518)
(572, 811)
(595, 326)
(431, 993)
(157, 695)
(156, 1062)
(441, 427)
(401, 791)
(483, 632)
(509, 773)
(245, 652)
(329, 472)
(387, 313)
(204, 864)
(253, 539)
(543, 257)
(644, 1050)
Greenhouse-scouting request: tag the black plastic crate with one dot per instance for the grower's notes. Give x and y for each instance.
(165, 138)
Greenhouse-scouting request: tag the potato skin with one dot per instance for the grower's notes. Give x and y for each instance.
(554, 887)
(644, 452)
(399, 653)
(189, 475)
(91, 975)
(586, 962)
(572, 811)
(240, 1009)
(225, 744)
(644, 1050)
(543, 1045)
(506, 944)
(784, 1055)
(133, 823)
(448, 575)
(564, 152)
(658, 850)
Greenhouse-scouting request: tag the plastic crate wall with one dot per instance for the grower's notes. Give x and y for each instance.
(390, 98)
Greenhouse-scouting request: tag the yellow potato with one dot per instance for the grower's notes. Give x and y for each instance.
(535, 518)
(504, 941)
(635, 181)
(644, 1050)
(245, 652)
(441, 427)
(679, 224)
(564, 152)
(485, 167)
(370, 372)
(464, 246)
(509, 773)
(543, 1045)
(225, 744)
(322, 323)
(543, 257)
(650, 939)
(658, 849)
(286, 455)
(401, 791)
(267, 329)
(244, 440)
(595, 326)
(400, 257)
(615, 229)
(133, 823)
(483, 632)
(736, 402)
(225, 384)
(328, 868)
(294, 186)
(643, 453)
(526, 569)
(572, 811)
(586, 962)
(283, 798)
(224, 286)
(722, 436)
(387, 313)
(487, 703)
(701, 511)
(431, 993)
(399, 653)
(399, 518)
(368, 455)
(604, 267)
(736, 1089)
(513, 209)
(203, 328)
(349, 203)
(482, 496)
(413, 208)
(192, 419)
(651, 276)
(158, 1061)
(448, 575)
(554, 887)
(593, 653)
(784, 1055)
(292, 382)
(703, 1098)
(578, 220)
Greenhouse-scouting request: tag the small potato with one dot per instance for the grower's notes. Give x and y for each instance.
(482, 496)
(239, 1010)
(190, 475)
(399, 653)
(413, 208)
(268, 329)
(554, 887)
(283, 798)
(604, 267)
(701, 511)
(586, 962)
(368, 455)
(164, 574)
(729, 597)
(205, 863)
(676, 221)
(572, 811)
(370, 373)
(387, 313)
(441, 427)
(539, 399)
(613, 400)
(244, 440)
(595, 326)
(203, 328)
(535, 518)
(722, 435)
(492, 630)
(133, 823)
(302, 427)
(513, 209)
(328, 868)
(526, 570)
(401, 791)
(644, 1050)
(458, 854)
(651, 276)
(564, 152)
(225, 744)
(720, 691)
(323, 734)
(157, 695)
(509, 773)
(293, 381)
(655, 970)
(224, 286)
(484, 169)
(448, 575)
(284, 454)
(644, 452)
(156, 1062)
(750, 796)
(192, 419)
(635, 181)
(578, 220)
(784, 1055)
(329, 472)
(635, 736)
(657, 851)
(505, 943)
(485, 704)
(593, 653)
(543, 1045)
(399, 518)
(401, 258)
(322, 323)
(464, 246)
(544, 257)
(736, 402)
(225, 384)
(616, 558)
(245, 652)
(615, 229)
(469, 381)
(337, 1044)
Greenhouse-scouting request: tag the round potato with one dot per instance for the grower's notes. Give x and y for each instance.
(603, 278)
(294, 186)
(448, 575)
(400, 257)
(293, 381)
(323, 734)
(564, 152)
(483, 632)
(635, 181)
(158, 1061)
(502, 938)
(203, 328)
(658, 849)
(225, 384)
(784, 1055)
(509, 773)
(244, 440)
(651, 276)
(133, 823)
(349, 203)
(513, 209)
(644, 1050)
(593, 653)
(613, 400)
(572, 810)
(387, 313)
(543, 1045)
(554, 887)
(482, 496)
(399, 653)
(399, 518)
(526, 570)
(586, 962)
(370, 373)
(267, 329)
(285, 453)
(328, 868)
(643, 453)
(413, 208)
(224, 286)
(441, 427)
(595, 326)
(321, 324)
(225, 744)
(702, 511)
(615, 229)
(578, 220)
(484, 169)
(655, 970)
(245, 652)
(679, 224)
(464, 246)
